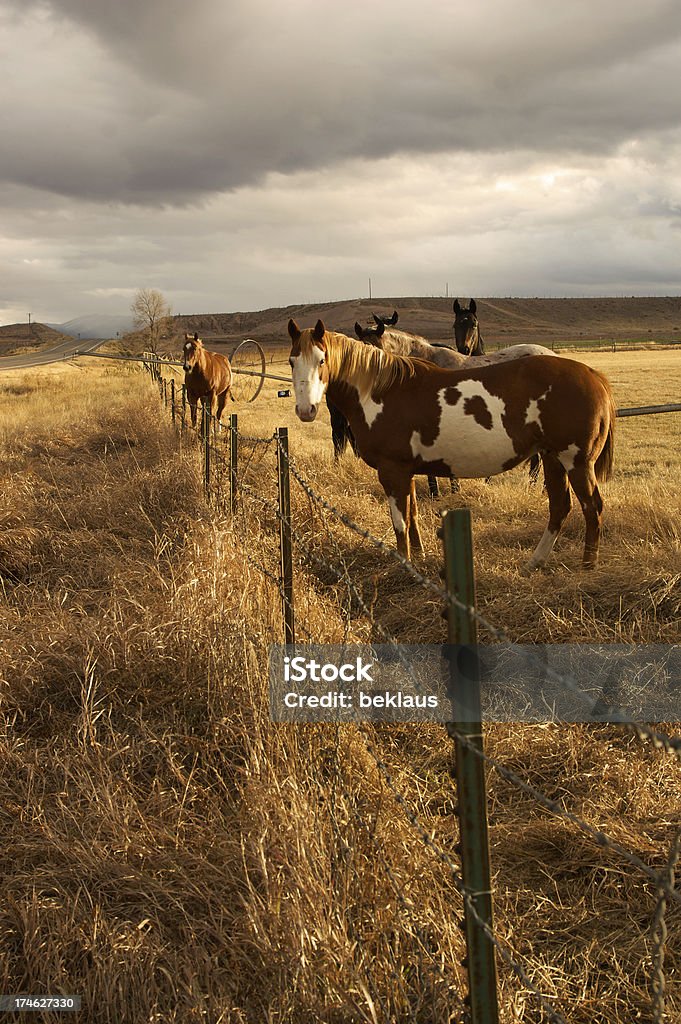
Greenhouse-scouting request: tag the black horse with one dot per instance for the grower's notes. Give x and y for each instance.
(340, 431)
(467, 330)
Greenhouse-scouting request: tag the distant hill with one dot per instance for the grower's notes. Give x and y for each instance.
(504, 321)
(95, 326)
(17, 338)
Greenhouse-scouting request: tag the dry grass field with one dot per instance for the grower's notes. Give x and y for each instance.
(171, 855)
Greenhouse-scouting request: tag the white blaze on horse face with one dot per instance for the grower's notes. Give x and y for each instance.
(308, 385)
(469, 448)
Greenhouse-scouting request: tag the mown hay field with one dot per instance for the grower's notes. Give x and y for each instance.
(171, 855)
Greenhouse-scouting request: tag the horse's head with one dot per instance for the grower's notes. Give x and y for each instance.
(370, 335)
(308, 367)
(466, 332)
(191, 351)
(387, 321)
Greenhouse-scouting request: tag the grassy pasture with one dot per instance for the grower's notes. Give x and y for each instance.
(171, 855)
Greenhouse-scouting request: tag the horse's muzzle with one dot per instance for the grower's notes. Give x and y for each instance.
(306, 415)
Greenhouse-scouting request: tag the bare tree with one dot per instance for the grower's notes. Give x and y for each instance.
(151, 312)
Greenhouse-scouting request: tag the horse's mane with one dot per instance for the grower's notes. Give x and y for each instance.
(371, 370)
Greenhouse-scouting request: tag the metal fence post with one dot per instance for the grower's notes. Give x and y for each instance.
(205, 421)
(470, 768)
(285, 540)
(172, 399)
(233, 460)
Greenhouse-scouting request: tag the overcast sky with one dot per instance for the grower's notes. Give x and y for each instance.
(240, 154)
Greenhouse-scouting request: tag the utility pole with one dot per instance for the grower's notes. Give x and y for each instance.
(369, 287)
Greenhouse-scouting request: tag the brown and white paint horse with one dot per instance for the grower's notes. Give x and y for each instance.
(207, 376)
(410, 417)
(402, 343)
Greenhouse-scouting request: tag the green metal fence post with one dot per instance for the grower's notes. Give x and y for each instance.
(285, 539)
(233, 461)
(470, 768)
(205, 420)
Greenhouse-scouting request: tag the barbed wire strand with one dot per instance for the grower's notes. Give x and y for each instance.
(659, 739)
(659, 930)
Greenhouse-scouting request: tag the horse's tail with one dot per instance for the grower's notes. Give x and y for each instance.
(606, 460)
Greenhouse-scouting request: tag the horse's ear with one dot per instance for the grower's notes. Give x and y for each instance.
(196, 335)
(394, 318)
(380, 329)
(457, 307)
(293, 330)
(359, 331)
(472, 307)
(377, 319)
(319, 331)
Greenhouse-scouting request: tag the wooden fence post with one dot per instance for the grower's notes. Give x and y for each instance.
(233, 461)
(172, 399)
(470, 768)
(285, 539)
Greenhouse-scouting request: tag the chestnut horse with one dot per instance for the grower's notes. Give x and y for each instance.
(207, 376)
(410, 417)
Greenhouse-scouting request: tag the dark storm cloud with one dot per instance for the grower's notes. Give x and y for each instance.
(165, 101)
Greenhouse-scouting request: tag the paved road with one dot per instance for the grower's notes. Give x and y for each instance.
(59, 353)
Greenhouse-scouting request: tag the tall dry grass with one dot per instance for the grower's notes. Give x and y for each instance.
(172, 855)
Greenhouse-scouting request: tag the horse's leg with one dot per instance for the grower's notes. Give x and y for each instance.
(220, 406)
(557, 487)
(583, 481)
(433, 487)
(396, 482)
(205, 404)
(192, 408)
(414, 533)
(340, 429)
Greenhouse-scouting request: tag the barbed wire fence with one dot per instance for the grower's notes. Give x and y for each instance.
(229, 478)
